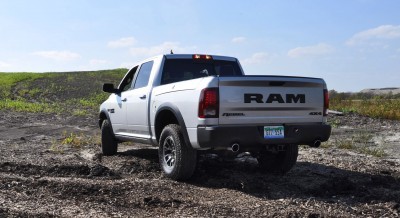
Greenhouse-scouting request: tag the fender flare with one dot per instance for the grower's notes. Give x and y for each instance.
(178, 115)
(105, 112)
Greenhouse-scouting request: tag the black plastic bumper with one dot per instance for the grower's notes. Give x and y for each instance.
(253, 136)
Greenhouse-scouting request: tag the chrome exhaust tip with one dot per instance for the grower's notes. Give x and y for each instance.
(235, 147)
(316, 144)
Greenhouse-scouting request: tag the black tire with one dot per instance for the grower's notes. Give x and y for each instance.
(278, 162)
(177, 159)
(109, 144)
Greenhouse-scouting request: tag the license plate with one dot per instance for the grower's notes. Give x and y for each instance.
(274, 132)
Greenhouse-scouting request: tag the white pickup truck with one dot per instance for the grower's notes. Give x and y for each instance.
(189, 103)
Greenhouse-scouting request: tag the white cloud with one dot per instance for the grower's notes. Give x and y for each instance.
(257, 58)
(381, 32)
(122, 42)
(164, 48)
(313, 50)
(58, 55)
(239, 39)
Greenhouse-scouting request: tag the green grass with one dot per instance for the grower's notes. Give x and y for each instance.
(377, 152)
(76, 93)
(10, 79)
(94, 100)
(359, 141)
(377, 106)
(74, 140)
(59, 92)
(23, 106)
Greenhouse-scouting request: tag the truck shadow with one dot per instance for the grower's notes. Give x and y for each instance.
(306, 180)
(149, 153)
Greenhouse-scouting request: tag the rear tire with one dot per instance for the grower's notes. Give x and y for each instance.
(278, 162)
(109, 144)
(177, 159)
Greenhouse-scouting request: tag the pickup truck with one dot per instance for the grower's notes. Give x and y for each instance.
(186, 104)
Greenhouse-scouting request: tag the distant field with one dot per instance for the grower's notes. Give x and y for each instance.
(376, 106)
(56, 92)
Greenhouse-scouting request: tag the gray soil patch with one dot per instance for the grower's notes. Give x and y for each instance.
(38, 181)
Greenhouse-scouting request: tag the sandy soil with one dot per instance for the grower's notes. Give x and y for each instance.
(37, 180)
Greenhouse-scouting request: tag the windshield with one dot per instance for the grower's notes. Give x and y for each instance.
(176, 70)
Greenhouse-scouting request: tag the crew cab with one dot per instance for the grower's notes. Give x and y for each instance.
(189, 103)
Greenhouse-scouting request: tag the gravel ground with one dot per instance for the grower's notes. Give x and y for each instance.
(40, 177)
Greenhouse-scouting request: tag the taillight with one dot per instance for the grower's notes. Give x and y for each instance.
(202, 57)
(326, 102)
(209, 103)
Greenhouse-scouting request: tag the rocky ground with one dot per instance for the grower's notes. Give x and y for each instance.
(42, 177)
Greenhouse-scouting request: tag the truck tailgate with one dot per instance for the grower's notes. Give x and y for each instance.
(260, 100)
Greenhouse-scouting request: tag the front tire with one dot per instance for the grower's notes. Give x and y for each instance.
(109, 144)
(177, 159)
(279, 162)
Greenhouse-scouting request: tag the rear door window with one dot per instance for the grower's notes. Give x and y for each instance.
(143, 76)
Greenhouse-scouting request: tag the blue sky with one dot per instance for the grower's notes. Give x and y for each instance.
(352, 44)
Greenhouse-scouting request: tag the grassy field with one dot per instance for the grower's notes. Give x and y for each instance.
(56, 92)
(379, 108)
(376, 106)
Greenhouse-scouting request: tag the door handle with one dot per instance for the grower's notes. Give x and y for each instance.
(124, 99)
(143, 97)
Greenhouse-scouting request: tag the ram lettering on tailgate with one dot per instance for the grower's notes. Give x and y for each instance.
(271, 98)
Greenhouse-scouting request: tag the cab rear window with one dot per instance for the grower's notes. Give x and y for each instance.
(177, 70)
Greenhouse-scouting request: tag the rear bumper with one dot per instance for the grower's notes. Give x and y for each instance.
(250, 137)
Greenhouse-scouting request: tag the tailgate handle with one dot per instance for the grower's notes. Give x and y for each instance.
(276, 83)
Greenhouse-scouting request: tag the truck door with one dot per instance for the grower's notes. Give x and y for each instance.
(137, 103)
(117, 111)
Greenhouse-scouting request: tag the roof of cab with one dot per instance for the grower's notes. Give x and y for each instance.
(189, 56)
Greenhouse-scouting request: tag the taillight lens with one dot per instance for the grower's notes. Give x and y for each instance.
(326, 102)
(201, 57)
(209, 103)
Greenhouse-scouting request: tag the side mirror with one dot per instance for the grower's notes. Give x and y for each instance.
(109, 87)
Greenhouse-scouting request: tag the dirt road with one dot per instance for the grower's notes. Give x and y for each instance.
(41, 177)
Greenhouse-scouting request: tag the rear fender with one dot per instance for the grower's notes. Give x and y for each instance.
(178, 116)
